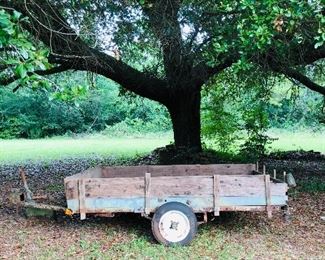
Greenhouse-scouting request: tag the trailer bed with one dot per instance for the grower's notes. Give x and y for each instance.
(203, 188)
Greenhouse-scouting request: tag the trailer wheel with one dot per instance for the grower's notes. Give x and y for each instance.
(174, 223)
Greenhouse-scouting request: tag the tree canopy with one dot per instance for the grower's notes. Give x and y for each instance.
(164, 50)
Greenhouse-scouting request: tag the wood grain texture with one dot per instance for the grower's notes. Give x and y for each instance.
(216, 194)
(189, 185)
(250, 186)
(204, 188)
(177, 170)
(147, 193)
(268, 195)
(82, 198)
(115, 187)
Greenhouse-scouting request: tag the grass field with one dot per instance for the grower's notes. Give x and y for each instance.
(298, 140)
(61, 147)
(57, 148)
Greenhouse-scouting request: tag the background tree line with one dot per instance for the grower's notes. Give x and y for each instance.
(88, 106)
(77, 108)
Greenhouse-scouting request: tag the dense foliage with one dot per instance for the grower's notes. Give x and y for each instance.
(168, 52)
(38, 113)
(240, 107)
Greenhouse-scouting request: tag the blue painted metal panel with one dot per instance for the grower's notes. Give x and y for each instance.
(198, 204)
(252, 201)
(136, 204)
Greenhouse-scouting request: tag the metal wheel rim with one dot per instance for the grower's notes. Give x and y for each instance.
(174, 226)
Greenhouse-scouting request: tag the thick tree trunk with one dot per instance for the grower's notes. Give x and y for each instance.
(185, 114)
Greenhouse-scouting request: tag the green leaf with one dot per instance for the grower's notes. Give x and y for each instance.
(21, 71)
(24, 53)
(16, 15)
(318, 44)
(4, 21)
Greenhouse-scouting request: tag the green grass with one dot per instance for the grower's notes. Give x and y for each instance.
(18, 150)
(298, 140)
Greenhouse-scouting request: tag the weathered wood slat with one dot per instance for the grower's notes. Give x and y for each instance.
(147, 192)
(268, 195)
(124, 171)
(216, 194)
(82, 197)
(191, 185)
(114, 187)
(250, 189)
(71, 188)
(177, 170)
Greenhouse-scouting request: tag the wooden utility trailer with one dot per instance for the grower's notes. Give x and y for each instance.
(174, 194)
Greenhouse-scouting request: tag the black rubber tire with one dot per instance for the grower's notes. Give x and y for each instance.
(176, 206)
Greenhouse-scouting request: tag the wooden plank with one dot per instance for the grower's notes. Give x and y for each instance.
(216, 195)
(244, 186)
(82, 197)
(114, 187)
(177, 170)
(71, 188)
(252, 185)
(268, 195)
(227, 169)
(124, 171)
(173, 186)
(147, 193)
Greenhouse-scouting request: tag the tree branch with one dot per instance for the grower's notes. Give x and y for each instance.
(67, 49)
(54, 70)
(291, 73)
(205, 72)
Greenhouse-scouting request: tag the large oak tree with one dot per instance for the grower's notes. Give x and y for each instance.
(166, 50)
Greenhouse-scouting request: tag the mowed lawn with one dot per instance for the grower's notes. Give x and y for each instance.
(298, 140)
(18, 150)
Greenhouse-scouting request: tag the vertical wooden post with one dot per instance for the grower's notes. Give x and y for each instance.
(257, 166)
(264, 169)
(268, 195)
(216, 194)
(147, 185)
(82, 197)
(274, 173)
(284, 176)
